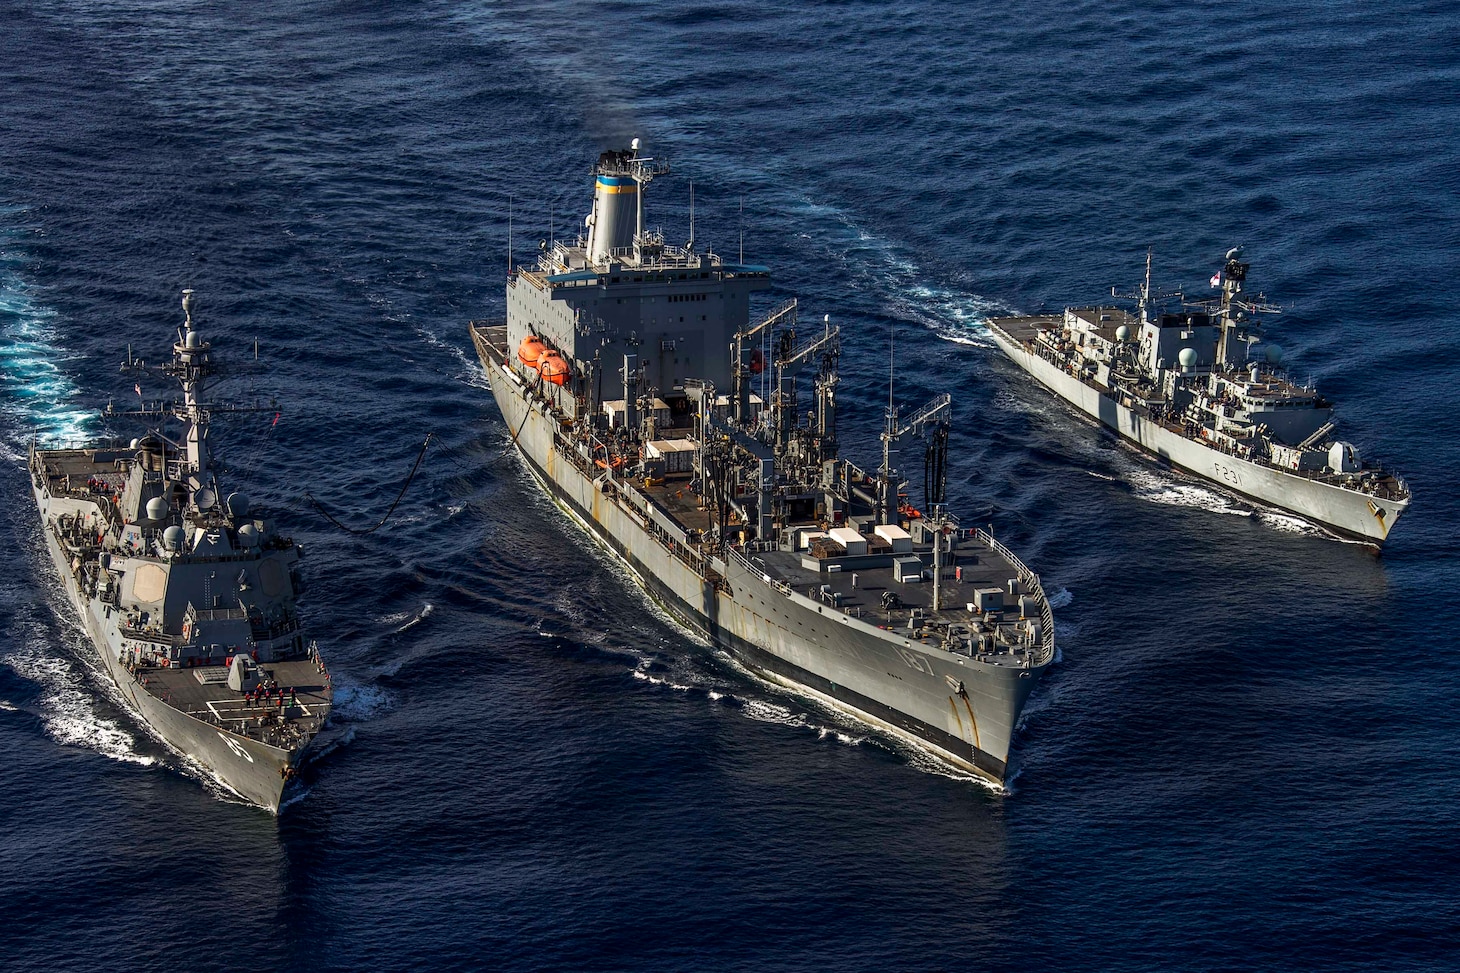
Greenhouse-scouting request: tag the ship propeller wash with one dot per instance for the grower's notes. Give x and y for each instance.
(188, 595)
(1201, 390)
(702, 450)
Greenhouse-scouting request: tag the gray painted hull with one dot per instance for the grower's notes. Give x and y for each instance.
(251, 769)
(898, 685)
(1346, 511)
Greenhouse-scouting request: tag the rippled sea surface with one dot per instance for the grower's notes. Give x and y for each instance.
(1246, 757)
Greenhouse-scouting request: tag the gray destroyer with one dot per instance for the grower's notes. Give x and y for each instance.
(702, 450)
(187, 595)
(1196, 389)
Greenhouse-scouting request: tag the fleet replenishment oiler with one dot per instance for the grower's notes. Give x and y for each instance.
(702, 450)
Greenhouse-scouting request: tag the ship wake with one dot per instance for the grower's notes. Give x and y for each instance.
(1161, 489)
(905, 289)
(65, 706)
(760, 710)
(358, 703)
(845, 728)
(38, 394)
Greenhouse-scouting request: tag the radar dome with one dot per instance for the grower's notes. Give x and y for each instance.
(1187, 357)
(238, 504)
(136, 443)
(157, 508)
(1122, 333)
(1274, 354)
(173, 538)
(248, 535)
(193, 340)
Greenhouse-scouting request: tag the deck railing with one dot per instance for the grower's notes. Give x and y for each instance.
(1044, 652)
(746, 563)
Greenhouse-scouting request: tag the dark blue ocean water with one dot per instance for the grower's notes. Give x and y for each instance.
(1246, 758)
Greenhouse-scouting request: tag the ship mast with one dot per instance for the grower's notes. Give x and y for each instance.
(1146, 296)
(1145, 302)
(1232, 309)
(1234, 273)
(190, 365)
(642, 169)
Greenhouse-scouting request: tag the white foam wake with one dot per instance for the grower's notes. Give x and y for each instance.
(1292, 524)
(417, 618)
(642, 673)
(949, 312)
(1160, 489)
(359, 703)
(35, 389)
(66, 707)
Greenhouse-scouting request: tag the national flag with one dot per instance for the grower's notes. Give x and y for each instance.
(1217, 279)
(275, 422)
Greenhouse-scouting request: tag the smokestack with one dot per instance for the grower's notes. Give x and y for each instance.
(615, 206)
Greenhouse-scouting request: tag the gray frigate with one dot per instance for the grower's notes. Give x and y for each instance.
(1201, 388)
(188, 595)
(701, 448)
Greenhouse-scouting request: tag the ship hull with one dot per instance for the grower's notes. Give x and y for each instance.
(250, 768)
(962, 710)
(1346, 512)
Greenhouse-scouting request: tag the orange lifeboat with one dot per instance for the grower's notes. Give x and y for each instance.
(554, 369)
(531, 350)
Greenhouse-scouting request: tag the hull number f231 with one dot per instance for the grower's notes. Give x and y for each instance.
(1227, 474)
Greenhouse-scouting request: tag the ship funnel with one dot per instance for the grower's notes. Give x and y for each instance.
(615, 216)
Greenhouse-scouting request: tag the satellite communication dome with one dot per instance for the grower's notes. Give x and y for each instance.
(238, 504)
(1274, 354)
(248, 535)
(1187, 357)
(1122, 333)
(193, 340)
(158, 508)
(173, 538)
(136, 443)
